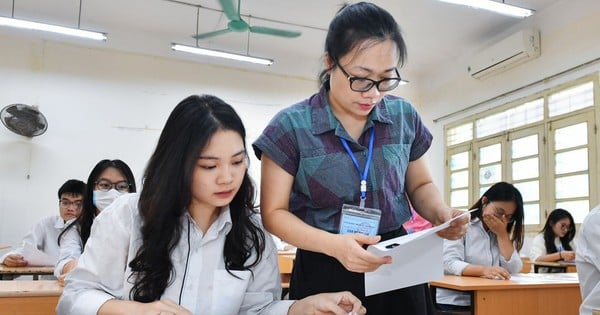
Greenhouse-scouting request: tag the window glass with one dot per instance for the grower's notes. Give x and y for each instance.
(525, 169)
(459, 198)
(572, 99)
(459, 179)
(571, 161)
(459, 161)
(571, 136)
(460, 134)
(572, 186)
(578, 209)
(490, 154)
(530, 190)
(532, 213)
(525, 146)
(490, 174)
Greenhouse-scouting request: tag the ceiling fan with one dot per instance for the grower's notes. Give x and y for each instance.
(237, 24)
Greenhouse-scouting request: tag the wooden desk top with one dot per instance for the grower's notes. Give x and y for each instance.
(4, 247)
(517, 281)
(22, 288)
(27, 270)
(560, 263)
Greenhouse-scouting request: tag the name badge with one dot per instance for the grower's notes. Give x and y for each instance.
(359, 220)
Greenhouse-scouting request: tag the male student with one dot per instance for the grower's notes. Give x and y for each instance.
(44, 235)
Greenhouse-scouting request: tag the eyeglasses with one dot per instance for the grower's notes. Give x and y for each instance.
(106, 185)
(66, 204)
(358, 84)
(501, 214)
(565, 227)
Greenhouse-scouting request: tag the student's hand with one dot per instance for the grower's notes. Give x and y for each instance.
(567, 255)
(15, 260)
(458, 228)
(338, 303)
(495, 224)
(70, 266)
(348, 250)
(162, 307)
(496, 273)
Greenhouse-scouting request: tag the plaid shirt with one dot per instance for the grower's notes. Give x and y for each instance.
(304, 140)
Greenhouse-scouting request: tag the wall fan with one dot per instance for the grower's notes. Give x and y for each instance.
(236, 24)
(25, 120)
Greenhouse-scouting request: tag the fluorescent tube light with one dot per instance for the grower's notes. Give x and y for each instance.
(51, 28)
(221, 54)
(498, 7)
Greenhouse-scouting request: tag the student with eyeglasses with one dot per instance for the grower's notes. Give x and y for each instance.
(555, 240)
(490, 249)
(45, 233)
(191, 241)
(108, 180)
(352, 146)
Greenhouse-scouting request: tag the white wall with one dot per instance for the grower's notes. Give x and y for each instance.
(104, 104)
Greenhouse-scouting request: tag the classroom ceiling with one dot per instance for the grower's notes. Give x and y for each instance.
(436, 32)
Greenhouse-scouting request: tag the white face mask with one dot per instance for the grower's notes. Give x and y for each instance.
(103, 199)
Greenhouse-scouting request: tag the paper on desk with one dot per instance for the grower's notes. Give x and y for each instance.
(36, 257)
(416, 258)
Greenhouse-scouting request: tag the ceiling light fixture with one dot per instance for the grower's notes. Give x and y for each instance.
(498, 7)
(77, 32)
(51, 28)
(221, 54)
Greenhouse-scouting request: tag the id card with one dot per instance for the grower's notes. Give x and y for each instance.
(359, 220)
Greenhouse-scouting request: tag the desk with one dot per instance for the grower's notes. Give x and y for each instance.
(29, 297)
(4, 247)
(524, 294)
(11, 272)
(565, 266)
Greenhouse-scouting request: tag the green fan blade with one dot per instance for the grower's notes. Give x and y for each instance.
(211, 34)
(229, 9)
(273, 31)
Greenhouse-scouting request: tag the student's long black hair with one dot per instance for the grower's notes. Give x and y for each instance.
(555, 216)
(89, 211)
(503, 191)
(357, 24)
(167, 194)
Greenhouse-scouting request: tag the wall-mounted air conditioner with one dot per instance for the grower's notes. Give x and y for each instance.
(505, 54)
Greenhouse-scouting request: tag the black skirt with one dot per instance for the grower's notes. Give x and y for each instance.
(315, 273)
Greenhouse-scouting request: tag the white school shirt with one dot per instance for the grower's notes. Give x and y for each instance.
(71, 247)
(478, 247)
(587, 259)
(43, 236)
(103, 269)
(538, 246)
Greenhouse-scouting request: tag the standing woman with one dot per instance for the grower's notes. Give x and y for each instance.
(555, 241)
(490, 249)
(350, 146)
(108, 180)
(191, 241)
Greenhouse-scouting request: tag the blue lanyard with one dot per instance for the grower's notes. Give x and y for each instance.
(363, 175)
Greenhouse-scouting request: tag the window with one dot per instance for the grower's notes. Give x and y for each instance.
(545, 145)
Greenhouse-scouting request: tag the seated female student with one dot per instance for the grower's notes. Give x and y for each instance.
(490, 249)
(191, 241)
(555, 241)
(108, 180)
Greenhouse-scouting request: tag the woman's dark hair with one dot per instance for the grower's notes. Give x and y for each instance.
(167, 193)
(503, 191)
(555, 216)
(89, 211)
(355, 24)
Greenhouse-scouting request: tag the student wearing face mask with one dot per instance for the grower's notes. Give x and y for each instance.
(108, 180)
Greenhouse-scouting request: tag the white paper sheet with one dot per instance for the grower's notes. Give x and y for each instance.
(416, 258)
(35, 257)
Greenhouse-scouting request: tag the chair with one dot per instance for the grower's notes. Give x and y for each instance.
(286, 264)
(438, 311)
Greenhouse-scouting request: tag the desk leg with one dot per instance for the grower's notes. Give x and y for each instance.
(36, 277)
